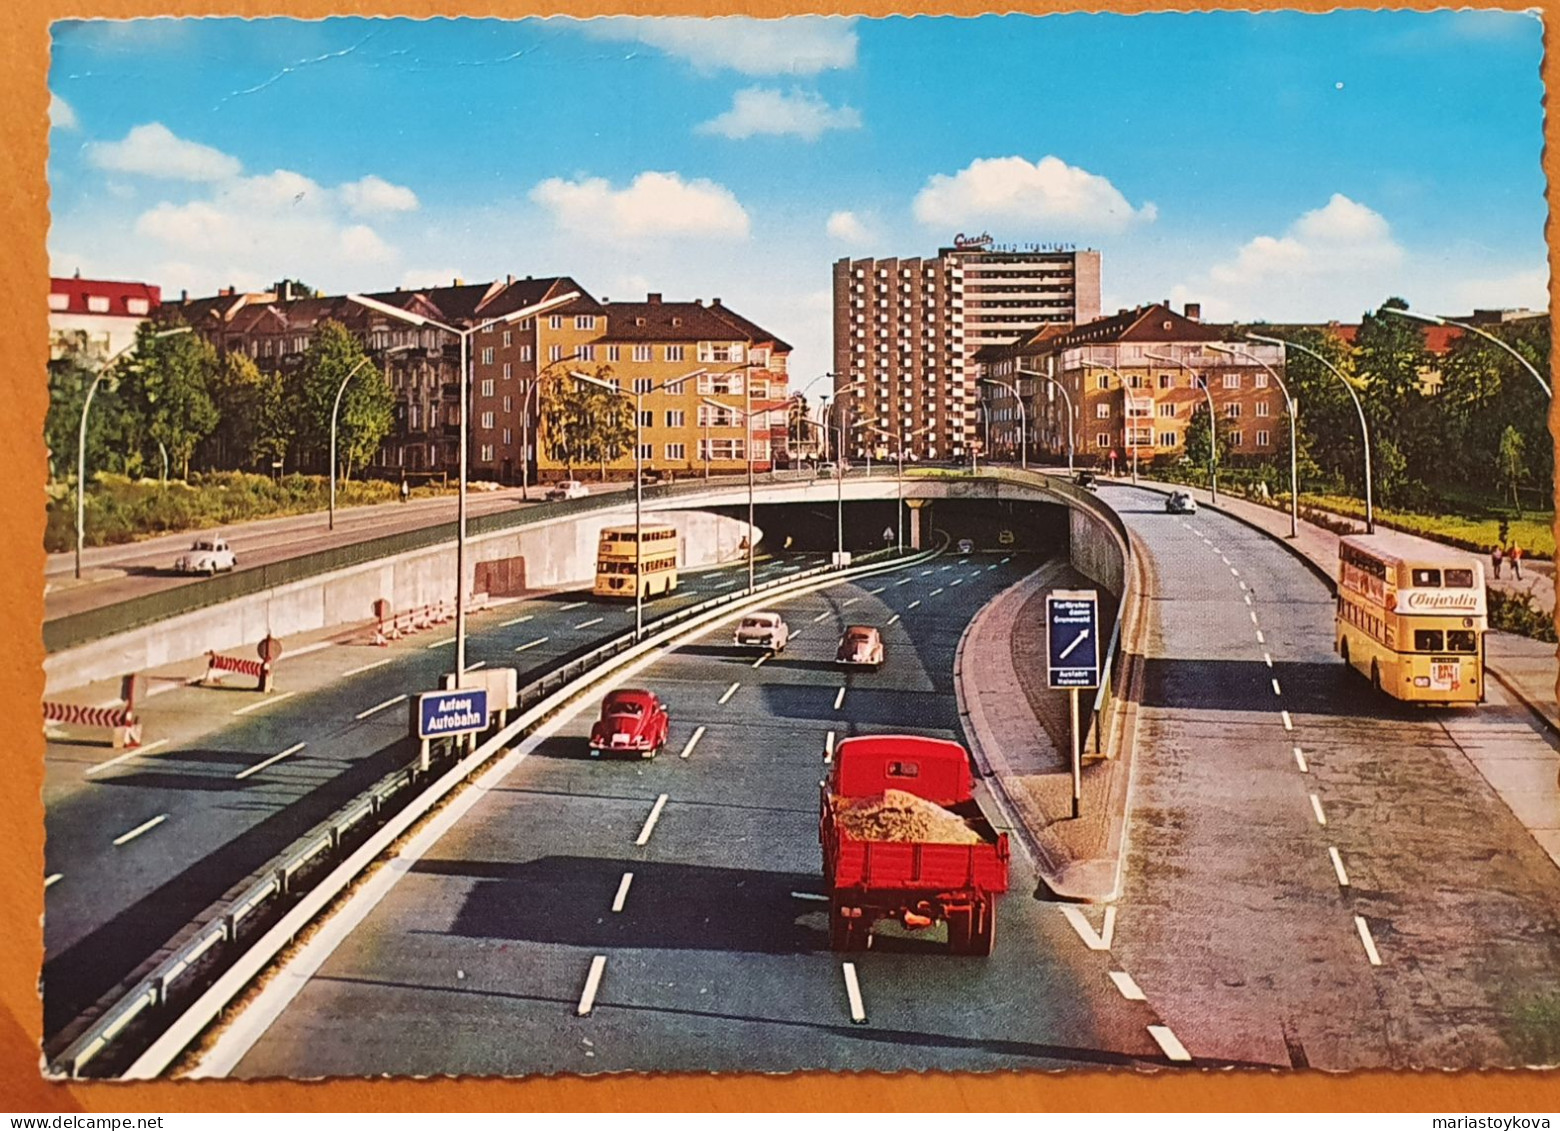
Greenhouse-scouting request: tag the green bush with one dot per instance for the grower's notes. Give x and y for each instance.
(1516, 612)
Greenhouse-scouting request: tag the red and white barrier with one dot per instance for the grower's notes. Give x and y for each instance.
(218, 665)
(120, 720)
(401, 624)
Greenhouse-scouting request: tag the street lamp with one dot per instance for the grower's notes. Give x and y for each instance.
(465, 397)
(1437, 321)
(1213, 423)
(1370, 511)
(899, 439)
(747, 448)
(81, 443)
(1294, 478)
(1067, 400)
(1023, 427)
(1126, 399)
(335, 409)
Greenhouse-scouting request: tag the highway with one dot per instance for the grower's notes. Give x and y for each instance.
(475, 959)
(139, 843)
(1290, 826)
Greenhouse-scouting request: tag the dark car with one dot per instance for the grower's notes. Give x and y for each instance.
(1086, 480)
(633, 721)
(650, 476)
(861, 646)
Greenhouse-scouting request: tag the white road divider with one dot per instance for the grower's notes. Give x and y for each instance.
(650, 821)
(598, 966)
(858, 1010)
(693, 741)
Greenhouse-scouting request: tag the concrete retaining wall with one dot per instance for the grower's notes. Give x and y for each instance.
(1096, 551)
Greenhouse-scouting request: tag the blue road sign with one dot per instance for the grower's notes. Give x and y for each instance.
(1072, 633)
(443, 713)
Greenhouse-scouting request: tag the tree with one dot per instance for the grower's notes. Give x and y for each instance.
(1390, 470)
(1198, 438)
(1391, 359)
(1510, 465)
(166, 387)
(333, 355)
(69, 379)
(366, 418)
(238, 390)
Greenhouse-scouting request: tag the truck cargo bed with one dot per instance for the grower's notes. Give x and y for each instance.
(884, 865)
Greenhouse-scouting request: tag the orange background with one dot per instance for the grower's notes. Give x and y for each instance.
(24, 267)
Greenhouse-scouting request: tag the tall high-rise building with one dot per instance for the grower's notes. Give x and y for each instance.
(906, 332)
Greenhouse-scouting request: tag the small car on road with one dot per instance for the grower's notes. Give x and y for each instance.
(567, 489)
(207, 556)
(861, 646)
(827, 470)
(633, 721)
(1086, 480)
(763, 630)
(1180, 502)
(966, 546)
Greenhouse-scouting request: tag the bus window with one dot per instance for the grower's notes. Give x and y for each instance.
(1429, 640)
(1462, 640)
(1459, 579)
(1427, 578)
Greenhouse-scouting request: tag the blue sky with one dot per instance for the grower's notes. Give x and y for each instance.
(1269, 165)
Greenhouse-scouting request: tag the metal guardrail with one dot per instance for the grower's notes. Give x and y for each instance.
(218, 936)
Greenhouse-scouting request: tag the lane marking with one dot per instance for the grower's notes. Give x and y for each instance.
(1243, 586)
(822, 615)
(265, 702)
(847, 603)
(956, 581)
(828, 748)
(1300, 761)
(588, 623)
(126, 756)
(1253, 618)
(440, 643)
(1276, 690)
(1006, 560)
(1129, 988)
(991, 567)
(622, 891)
(533, 643)
(693, 741)
(1168, 1043)
(1316, 807)
(365, 668)
(592, 983)
(725, 585)
(1248, 599)
(655, 815)
(927, 572)
(904, 581)
(50, 881)
(1288, 722)
(1337, 863)
(271, 761)
(795, 634)
(1094, 940)
(911, 605)
(475, 666)
(361, 715)
(125, 838)
(761, 659)
(875, 592)
(318, 646)
(812, 895)
(946, 568)
(730, 691)
(518, 620)
(934, 592)
(1267, 659)
(893, 618)
(572, 605)
(1234, 571)
(1370, 944)
(839, 699)
(858, 1011)
(1260, 638)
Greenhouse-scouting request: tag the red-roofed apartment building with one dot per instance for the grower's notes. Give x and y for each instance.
(95, 318)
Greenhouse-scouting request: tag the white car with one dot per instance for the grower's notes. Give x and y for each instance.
(568, 489)
(1180, 502)
(207, 556)
(763, 630)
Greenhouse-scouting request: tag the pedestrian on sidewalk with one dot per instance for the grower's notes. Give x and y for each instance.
(1495, 560)
(406, 490)
(1516, 561)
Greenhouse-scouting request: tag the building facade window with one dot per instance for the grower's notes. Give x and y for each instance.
(487, 355)
(509, 405)
(643, 384)
(584, 322)
(677, 451)
(1166, 409)
(1235, 439)
(675, 353)
(722, 449)
(555, 322)
(585, 353)
(1262, 439)
(1102, 440)
(1102, 412)
(646, 451)
(1166, 380)
(1232, 380)
(526, 354)
(1167, 439)
(508, 371)
(1104, 381)
(509, 338)
(487, 423)
(676, 418)
(1262, 408)
(509, 437)
(1261, 380)
(647, 419)
(554, 353)
(642, 353)
(487, 387)
(614, 353)
(1232, 412)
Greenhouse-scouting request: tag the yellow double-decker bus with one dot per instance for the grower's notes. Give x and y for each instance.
(647, 566)
(1412, 619)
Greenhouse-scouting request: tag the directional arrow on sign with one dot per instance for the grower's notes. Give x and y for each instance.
(1067, 651)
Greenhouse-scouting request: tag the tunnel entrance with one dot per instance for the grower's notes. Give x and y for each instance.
(991, 524)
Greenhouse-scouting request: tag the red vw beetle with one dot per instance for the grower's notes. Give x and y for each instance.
(633, 721)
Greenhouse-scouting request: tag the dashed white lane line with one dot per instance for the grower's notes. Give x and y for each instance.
(517, 620)
(1316, 807)
(730, 691)
(125, 838)
(588, 623)
(839, 698)
(858, 1011)
(1337, 863)
(622, 892)
(760, 661)
(475, 666)
(655, 815)
(377, 707)
(365, 668)
(317, 646)
(693, 741)
(266, 702)
(1234, 571)
(811, 896)
(1267, 658)
(533, 643)
(572, 605)
(911, 605)
(271, 761)
(1006, 560)
(956, 581)
(1369, 943)
(598, 966)
(1129, 988)
(725, 585)
(848, 602)
(1276, 689)
(927, 572)
(50, 881)
(828, 748)
(1253, 618)
(893, 618)
(875, 592)
(1248, 599)
(904, 581)
(1289, 724)
(126, 756)
(934, 592)
(440, 643)
(1300, 761)
(823, 615)
(1243, 585)
(1260, 638)
(1094, 940)
(1168, 1043)
(991, 567)
(945, 568)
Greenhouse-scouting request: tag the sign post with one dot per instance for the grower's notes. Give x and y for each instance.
(448, 714)
(1072, 659)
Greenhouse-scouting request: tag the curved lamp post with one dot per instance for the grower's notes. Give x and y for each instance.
(1370, 510)
(1294, 478)
(334, 411)
(1023, 426)
(81, 441)
(1127, 397)
(1067, 400)
(1213, 423)
(1436, 321)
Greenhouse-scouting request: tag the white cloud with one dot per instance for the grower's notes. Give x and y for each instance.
(796, 45)
(1518, 289)
(61, 115)
(375, 194)
(152, 150)
(426, 278)
(803, 114)
(848, 228)
(655, 204)
(1013, 192)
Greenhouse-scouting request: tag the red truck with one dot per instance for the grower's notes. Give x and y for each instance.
(917, 882)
